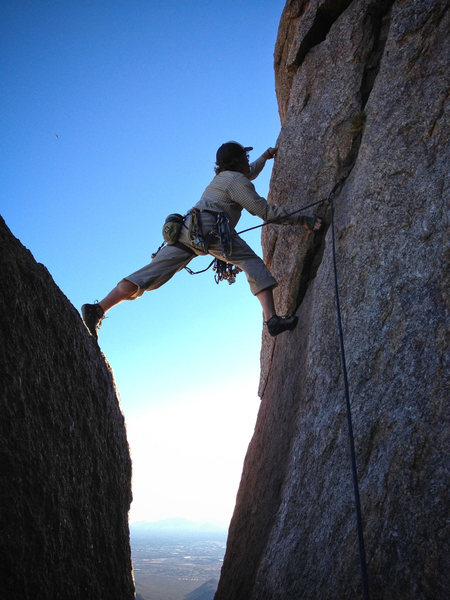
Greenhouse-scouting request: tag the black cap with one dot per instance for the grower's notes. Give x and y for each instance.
(229, 153)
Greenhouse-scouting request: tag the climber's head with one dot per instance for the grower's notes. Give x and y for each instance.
(232, 156)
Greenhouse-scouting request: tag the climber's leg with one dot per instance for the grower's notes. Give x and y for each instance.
(266, 299)
(93, 314)
(124, 290)
(164, 265)
(260, 280)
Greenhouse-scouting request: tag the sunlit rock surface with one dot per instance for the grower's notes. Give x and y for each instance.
(64, 461)
(363, 96)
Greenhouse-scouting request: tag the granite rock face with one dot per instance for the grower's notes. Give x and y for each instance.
(363, 99)
(65, 467)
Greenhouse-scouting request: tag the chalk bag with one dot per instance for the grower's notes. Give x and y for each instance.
(172, 228)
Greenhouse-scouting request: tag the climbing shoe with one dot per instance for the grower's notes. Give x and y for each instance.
(93, 316)
(276, 325)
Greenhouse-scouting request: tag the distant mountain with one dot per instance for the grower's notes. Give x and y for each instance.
(204, 592)
(178, 525)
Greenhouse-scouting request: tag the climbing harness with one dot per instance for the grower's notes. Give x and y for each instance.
(222, 231)
(362, 552)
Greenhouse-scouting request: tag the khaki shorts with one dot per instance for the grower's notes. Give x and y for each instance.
(172, 258)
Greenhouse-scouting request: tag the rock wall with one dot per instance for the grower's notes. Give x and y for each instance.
(65, 469)
(363, 96)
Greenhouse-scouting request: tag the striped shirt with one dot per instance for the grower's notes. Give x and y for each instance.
(231, 191)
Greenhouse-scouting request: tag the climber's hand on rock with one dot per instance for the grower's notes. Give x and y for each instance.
(311, 223)
(317, 224)
(270, 153)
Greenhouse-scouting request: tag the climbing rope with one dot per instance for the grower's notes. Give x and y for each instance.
(362, 552)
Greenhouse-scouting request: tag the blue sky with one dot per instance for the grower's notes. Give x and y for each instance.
(112, 112)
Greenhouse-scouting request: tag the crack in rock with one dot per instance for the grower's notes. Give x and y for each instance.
(314, 27)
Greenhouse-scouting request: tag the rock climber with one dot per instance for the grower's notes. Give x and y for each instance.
(209, 228)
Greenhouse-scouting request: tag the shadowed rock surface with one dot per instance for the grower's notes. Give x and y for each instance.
(363, 96)
(65, 470)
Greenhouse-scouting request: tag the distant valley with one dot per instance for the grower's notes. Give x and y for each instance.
(176, 559)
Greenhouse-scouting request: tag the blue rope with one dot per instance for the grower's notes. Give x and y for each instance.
(362, 552)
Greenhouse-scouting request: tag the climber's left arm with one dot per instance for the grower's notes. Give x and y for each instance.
(258, 165)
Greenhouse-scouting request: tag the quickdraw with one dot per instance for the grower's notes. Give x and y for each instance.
(225, 271)
(224, 233)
